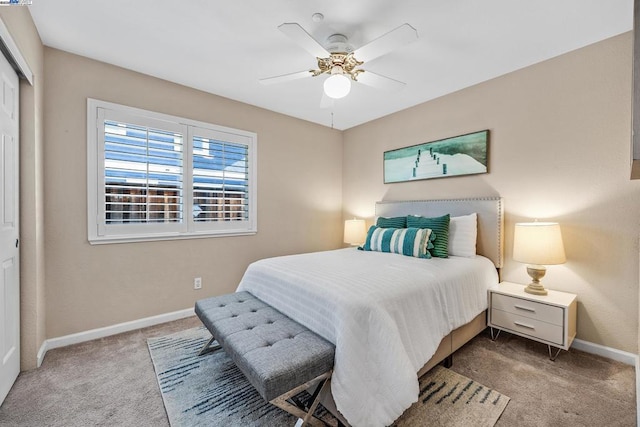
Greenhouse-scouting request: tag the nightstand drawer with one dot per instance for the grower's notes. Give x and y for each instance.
(527, 326)
(529, 309)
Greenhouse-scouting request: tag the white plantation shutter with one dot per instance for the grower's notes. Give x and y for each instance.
(153, 176)
(221, 185)
(142, 174)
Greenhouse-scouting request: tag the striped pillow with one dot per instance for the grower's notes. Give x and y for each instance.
(395, 222)
(440, 226)
(414, 242)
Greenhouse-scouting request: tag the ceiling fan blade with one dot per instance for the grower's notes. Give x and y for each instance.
(326, 102)
(380, 82)
(285, 77)
(304, 39)
(384, 44)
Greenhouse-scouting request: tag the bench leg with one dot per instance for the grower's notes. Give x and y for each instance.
(307, 417)
(317, 396)
(207, 348)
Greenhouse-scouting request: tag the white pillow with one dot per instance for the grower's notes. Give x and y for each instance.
(463, 231)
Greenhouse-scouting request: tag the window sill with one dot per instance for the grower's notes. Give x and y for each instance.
(160, 237)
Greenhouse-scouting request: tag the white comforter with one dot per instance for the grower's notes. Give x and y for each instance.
(385, 313)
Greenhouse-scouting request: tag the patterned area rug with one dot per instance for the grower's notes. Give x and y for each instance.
(453, 400)
(209, 390)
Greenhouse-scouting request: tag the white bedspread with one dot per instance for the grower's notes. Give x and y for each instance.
(385, 313)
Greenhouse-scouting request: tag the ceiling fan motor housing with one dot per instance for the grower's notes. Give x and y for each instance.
(338, 43)
(341, 60)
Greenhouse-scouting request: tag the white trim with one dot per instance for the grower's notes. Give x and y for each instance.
(608, 352)
(637, 390)
(183, 236)
(14, 54)
(110, 330)
(41, 353)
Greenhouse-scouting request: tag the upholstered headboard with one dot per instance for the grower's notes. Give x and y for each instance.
(490, 242)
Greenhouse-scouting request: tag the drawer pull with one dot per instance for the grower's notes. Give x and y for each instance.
(532, 310)
(524, 325)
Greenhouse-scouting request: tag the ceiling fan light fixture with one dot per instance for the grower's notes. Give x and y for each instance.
(337, 85)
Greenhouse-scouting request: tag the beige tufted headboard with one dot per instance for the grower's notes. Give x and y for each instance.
(490, 211)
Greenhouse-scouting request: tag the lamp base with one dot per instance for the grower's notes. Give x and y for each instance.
(535, 289)
(536, 272)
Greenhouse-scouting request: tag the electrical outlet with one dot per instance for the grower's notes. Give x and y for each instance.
(197, 283)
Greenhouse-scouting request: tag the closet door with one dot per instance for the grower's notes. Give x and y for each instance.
(9, 230)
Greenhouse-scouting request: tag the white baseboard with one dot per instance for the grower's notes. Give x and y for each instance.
(41, 353)
(608, 352)
(110, 330)
(615, 354)
(638, 391)
(620, 356)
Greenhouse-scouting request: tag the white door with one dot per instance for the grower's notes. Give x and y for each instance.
(9, 230)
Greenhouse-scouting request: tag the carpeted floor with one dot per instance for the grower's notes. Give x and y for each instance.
(111, 382)
(578, 389)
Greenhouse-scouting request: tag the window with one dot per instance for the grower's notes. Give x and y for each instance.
(152, 176)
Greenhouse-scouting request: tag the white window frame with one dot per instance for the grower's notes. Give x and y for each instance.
(99, 232)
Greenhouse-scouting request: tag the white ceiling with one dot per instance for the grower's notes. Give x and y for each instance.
(224, 47)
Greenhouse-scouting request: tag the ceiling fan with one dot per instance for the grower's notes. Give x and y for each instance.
(342, 62)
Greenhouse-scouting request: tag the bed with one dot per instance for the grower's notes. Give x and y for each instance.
(392, 317)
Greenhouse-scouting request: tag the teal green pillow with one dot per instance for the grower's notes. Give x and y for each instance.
(415, 242)
(440, 226)
(395, 222)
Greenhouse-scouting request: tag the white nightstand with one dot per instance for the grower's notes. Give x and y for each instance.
(550, 319)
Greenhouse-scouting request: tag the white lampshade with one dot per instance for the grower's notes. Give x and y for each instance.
(538, 243)
(337, 85)
(354, 231)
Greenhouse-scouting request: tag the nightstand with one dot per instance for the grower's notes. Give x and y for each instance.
(549, 319)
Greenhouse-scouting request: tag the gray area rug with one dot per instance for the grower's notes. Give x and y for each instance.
(209, 390)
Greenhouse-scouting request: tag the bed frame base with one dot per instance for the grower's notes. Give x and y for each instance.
(448, 361)
(444, 353)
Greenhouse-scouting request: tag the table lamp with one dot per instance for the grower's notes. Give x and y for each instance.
(538, 244)
(354, 231)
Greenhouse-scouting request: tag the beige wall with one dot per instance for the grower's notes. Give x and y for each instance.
(32, 271)
(299, 201)
(559, 150)
(560, 135)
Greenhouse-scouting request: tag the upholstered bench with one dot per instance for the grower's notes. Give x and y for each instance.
(279, 357)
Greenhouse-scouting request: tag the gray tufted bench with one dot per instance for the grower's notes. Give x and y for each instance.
(279, 357)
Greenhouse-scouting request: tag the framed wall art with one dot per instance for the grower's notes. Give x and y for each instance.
(458, 155)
